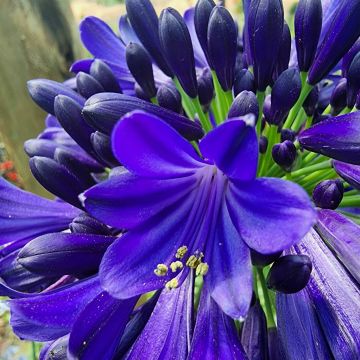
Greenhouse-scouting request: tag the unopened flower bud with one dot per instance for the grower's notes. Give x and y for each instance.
(169, 98)
(338, 97)
(244, 80)
(205, 87)
(287, 134)
(263, 144)
(104, 75)
(328, 194)
(222, 44)
(353, 81)
(283, 57)
(177, 47)
(87, 85)
(245, 103)
(139, 63)
(349, 56)
(284, 154)
(310, 103)
(289, 274)
(86, 224)
(308, 21)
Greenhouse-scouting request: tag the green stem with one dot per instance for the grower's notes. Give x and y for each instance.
(305, 91)
(266, 160)
(185, 100)
(33, 350)
(308, 158)
(309, 169)
(222, 98)
(327, 110)
(154, 100)
(351, 192)
(298, 120)
(267, 301)
(350, 201)
(261, 98)
(346, 111)
(205, 122)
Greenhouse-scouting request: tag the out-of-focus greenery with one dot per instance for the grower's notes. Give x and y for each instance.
(110, 2)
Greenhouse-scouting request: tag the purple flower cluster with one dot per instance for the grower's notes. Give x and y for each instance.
(206, 182)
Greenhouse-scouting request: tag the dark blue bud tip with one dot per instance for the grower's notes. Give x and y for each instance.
(244, 80)
(289, 274)
(353, 81)
(287, 134)
(263, 144)
(169, 97)
(140, 66)
(284, 154)
(205, 87)
(177, 48)
(104, 75)
(328, 194)
(87, 85)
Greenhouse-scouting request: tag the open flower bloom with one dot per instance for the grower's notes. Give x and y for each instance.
(190, 223)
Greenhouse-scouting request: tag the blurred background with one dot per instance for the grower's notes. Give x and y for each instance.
(39, 39)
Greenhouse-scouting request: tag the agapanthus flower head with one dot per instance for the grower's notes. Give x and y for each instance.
(198, 212)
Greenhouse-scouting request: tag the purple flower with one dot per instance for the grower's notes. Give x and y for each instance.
(226, 195)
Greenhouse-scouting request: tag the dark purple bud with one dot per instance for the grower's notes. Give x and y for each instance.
(103, 110)
(64, 254)
(104, 75)
(139, 63)
(254, 333)
(284, 94)
(87, 85)
(265, 29)
(40, 147)
(308, 22)
(244, 80)
(178, 50)
(169, 98)
(77, 165)
(44, 92)
(328, 194)
(203, 9)
(357, 104)
(353, 81)
(140, 93)
(245, 103)
(263, 144)
(267, 108)
(310, 103)
(145, 23)
(341, 35)
(284, 154)
(86, 224)
(262, 260)
(205, 87)
(68, 112)
(222, 43)
(287, 134)
(283, 57)
(57, 179)
(349, 56)
(289, 274)
(101, 144)
(338, 97)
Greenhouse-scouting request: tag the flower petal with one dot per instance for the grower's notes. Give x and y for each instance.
(230, 275)
(270, 214)
(127, 268)
(233, 147)
(149, 147)
(24, 215)
(50, 315)
(343, 236)
(215, 335)
(349, 172)
(97, 331)
(337, 137)
(126, 200)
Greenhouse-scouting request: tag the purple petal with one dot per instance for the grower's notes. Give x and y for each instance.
(349, 172)
(83, 65)
(149, 147)
(297, 320)
(215, 335)
(127, 33)
(338, 138)
(335, 298)
(343, 236)
(233, 148)
(64, 254)
(99, 327)
(270, 214)
(50, 315)
(230, 275)
(168, 328)
(24, 215)
(127, 268)
(101, 41)
(126, 201)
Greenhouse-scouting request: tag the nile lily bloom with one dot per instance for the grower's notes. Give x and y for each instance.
(229, 179)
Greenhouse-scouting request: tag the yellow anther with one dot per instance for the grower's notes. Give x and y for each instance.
(161, 270)
(181, 251)
(172, 284)
(176, 265)
(192, 262)
(202, 269)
